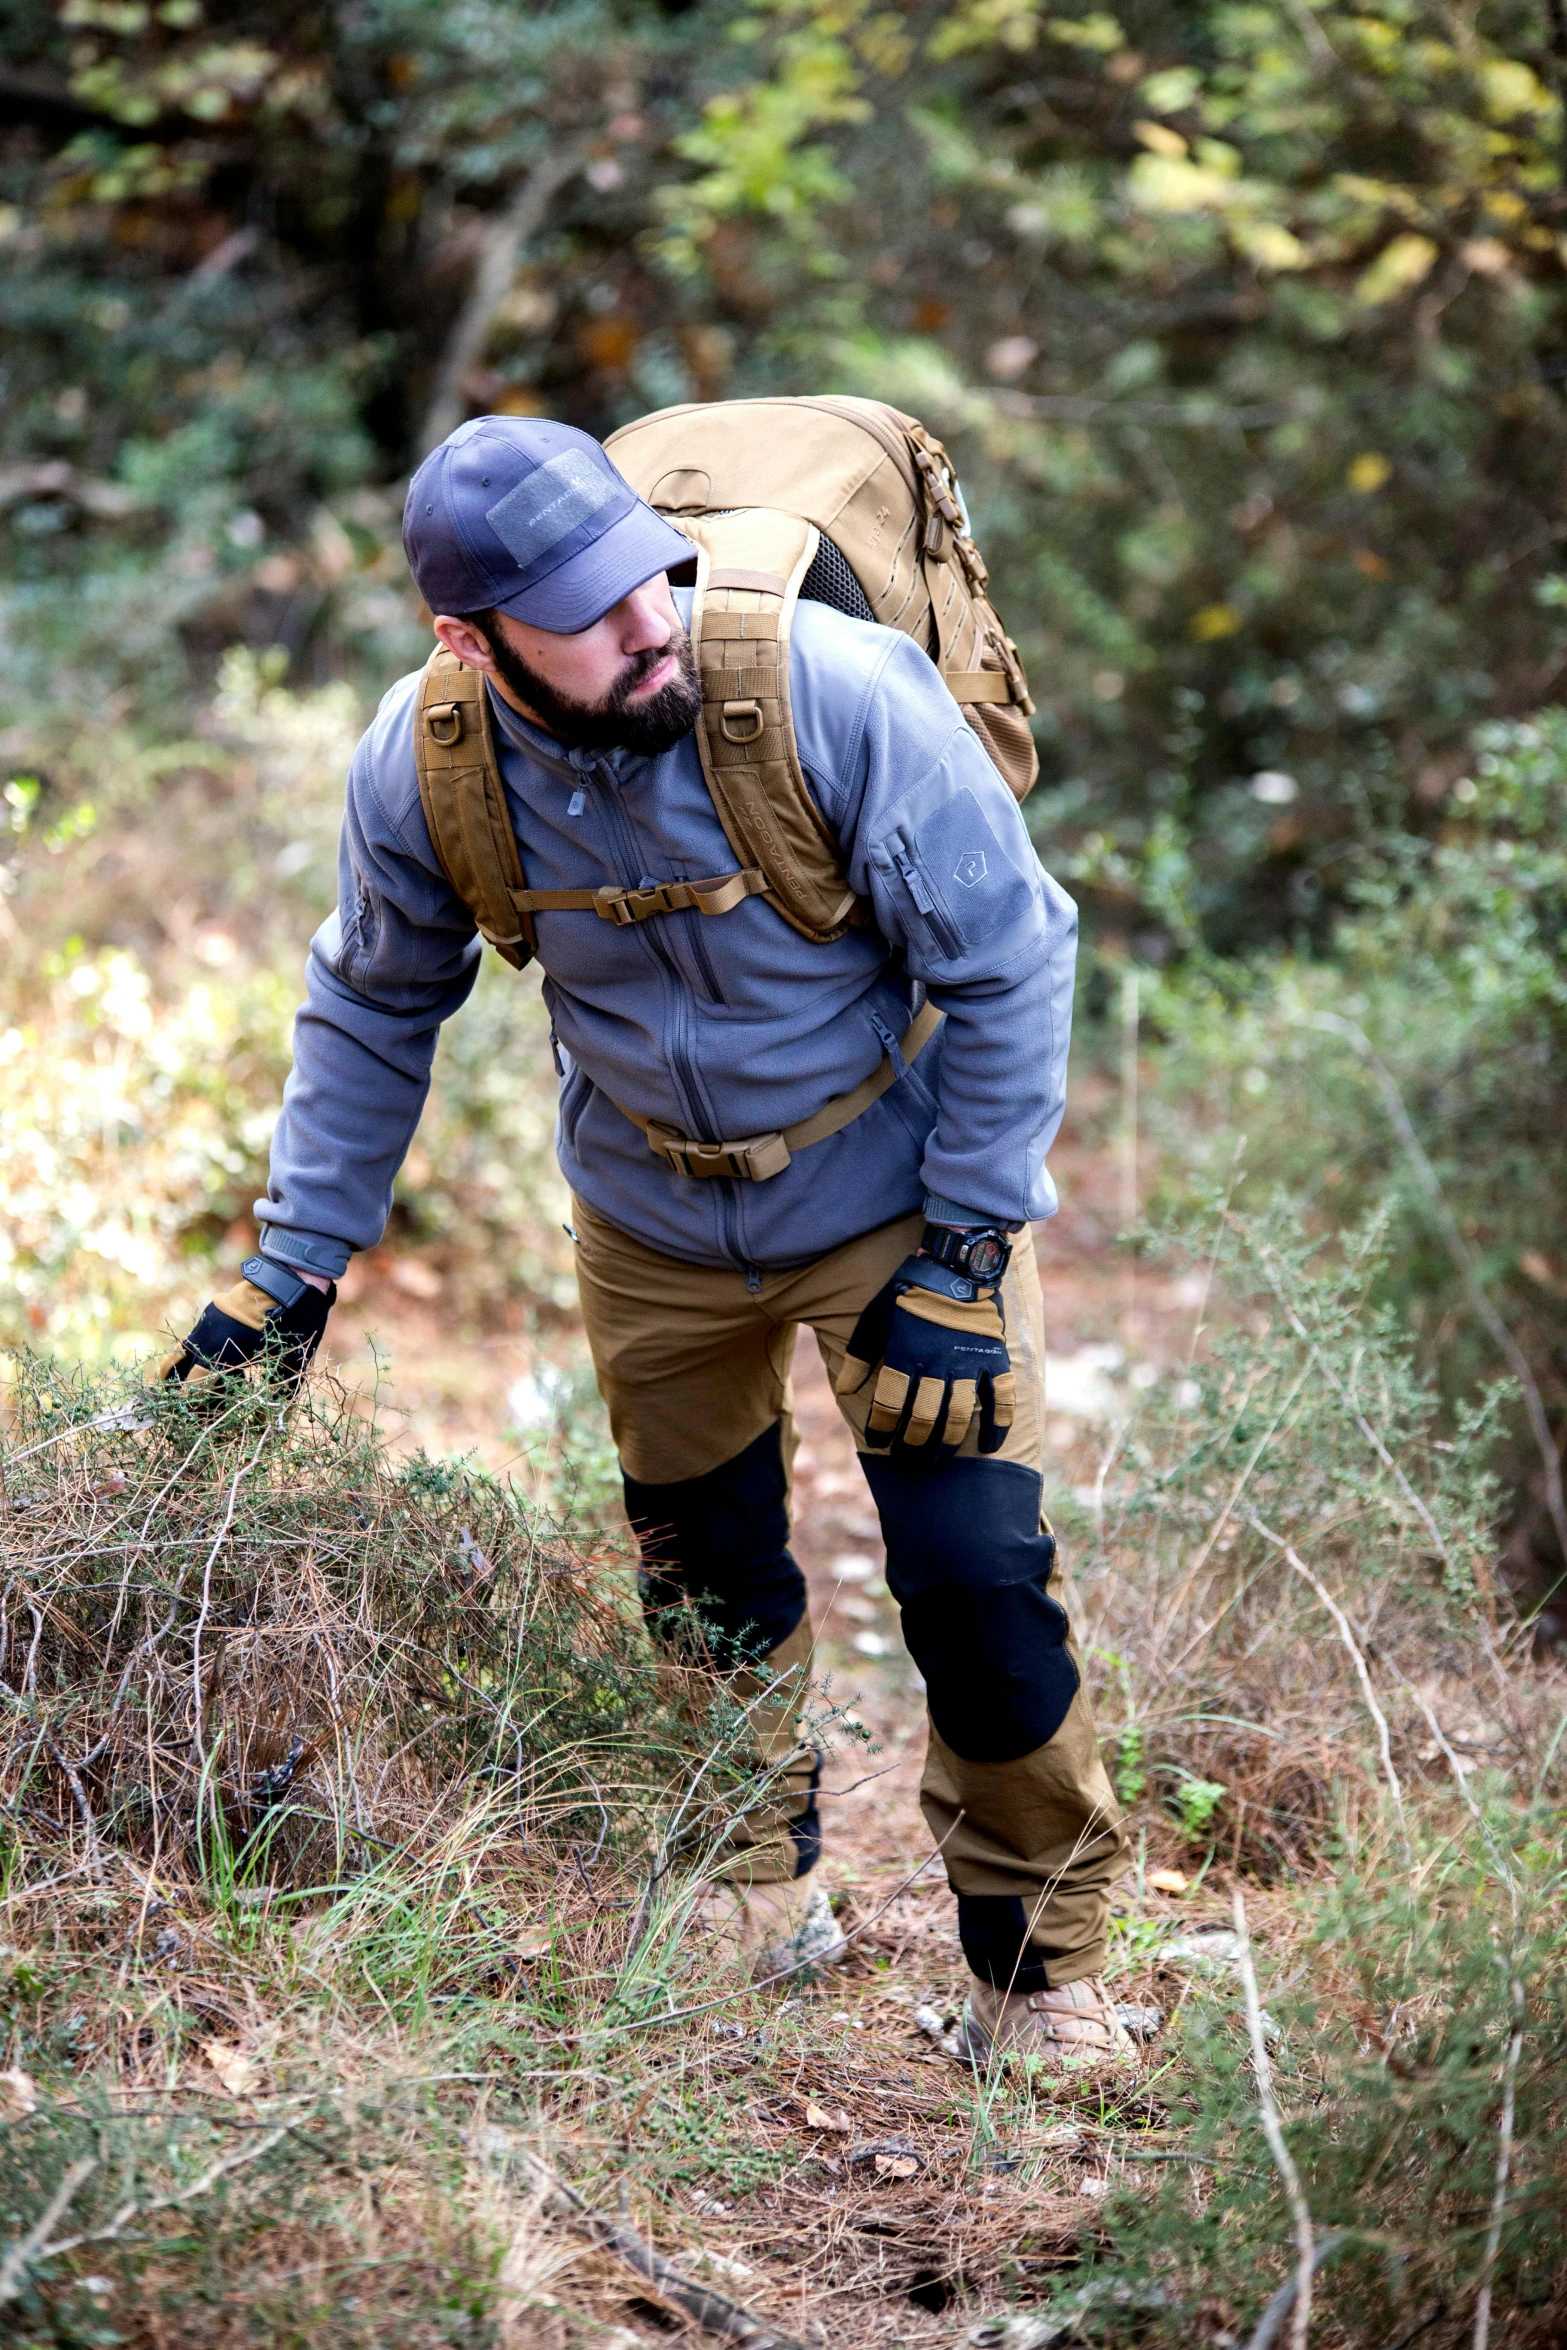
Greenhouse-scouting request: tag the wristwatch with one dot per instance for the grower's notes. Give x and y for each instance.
(980, 1251)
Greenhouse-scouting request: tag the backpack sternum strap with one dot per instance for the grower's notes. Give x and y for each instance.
(626, 902)
(749, 568)
(465, 803)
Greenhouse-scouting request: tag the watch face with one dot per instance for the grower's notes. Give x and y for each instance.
(985, 1257)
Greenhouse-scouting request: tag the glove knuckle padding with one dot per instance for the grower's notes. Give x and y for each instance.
(887, 1403)
(970, 1568)
(979, 1319)
(926, 1411)
(960, 1409)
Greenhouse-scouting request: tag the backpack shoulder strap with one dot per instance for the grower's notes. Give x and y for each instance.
(749, 568)
(465, 803)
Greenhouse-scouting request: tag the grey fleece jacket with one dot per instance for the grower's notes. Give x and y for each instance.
(723, 1026)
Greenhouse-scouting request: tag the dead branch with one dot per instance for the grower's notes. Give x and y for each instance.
(714, 2312)
(1362, 1671)
(72, 1779)
(1266, 2331)
(17, 2262)
(1273, 2131)
(1504, 2157)
(504, 238)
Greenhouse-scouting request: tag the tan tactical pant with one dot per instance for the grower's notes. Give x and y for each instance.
(694, 1366)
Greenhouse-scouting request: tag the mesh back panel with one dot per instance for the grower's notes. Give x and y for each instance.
(831, 581)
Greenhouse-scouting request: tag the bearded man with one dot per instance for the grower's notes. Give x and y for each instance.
(901, 1237)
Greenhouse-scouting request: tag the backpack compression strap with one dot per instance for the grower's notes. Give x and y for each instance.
(749, 567)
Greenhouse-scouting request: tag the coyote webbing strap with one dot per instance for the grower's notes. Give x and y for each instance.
(465, 803)
(624, 902)
(764, 1155)
(749, 568)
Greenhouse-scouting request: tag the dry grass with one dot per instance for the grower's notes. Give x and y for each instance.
(332, 1789)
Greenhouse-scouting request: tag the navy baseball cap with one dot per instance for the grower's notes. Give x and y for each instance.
(521, 515)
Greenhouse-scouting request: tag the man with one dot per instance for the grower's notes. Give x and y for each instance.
(901, 1237)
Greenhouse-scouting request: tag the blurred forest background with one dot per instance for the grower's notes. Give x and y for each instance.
(1246, 324)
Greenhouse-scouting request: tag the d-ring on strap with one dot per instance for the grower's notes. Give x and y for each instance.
(764, 1155)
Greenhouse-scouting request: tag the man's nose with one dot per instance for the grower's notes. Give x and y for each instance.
(643, 627)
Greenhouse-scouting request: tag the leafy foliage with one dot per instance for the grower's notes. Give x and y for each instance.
(1444, 993)
(1243, 322)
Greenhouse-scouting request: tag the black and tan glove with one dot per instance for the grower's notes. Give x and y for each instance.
(937, 1343)
(269, 1316)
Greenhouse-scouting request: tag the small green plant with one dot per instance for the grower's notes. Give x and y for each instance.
(1196, 1802)
(1131, 1766)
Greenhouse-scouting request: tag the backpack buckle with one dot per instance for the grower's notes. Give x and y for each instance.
(444, 720)
(622, 906)
(747, 716)
(751, 1161)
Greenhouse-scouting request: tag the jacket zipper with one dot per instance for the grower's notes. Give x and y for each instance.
(920, 891)
(685, 1074)
(702, 958)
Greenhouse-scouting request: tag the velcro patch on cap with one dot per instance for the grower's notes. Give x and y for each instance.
(549, 505)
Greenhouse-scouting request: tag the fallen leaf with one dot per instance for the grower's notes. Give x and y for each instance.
(234, 2068)
(1168, 1881)
(536, 1946)
(18, 2094)
(896, 2166)
(817, 2117)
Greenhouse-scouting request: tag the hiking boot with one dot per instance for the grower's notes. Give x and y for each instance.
(773, 1930)
(1074, 2029)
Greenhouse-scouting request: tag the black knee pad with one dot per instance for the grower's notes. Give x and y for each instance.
(970, 1569)
(722, 1541)
(993, 1929)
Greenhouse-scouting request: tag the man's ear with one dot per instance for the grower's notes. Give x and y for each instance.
(463, 639)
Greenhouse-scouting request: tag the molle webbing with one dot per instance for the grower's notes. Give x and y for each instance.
(465, 803)
(749, 568)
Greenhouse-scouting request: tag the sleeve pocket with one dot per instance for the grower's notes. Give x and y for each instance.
(360, 928)
(976, 883)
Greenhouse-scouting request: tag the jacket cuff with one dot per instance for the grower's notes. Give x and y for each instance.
(314, 1252)
(947, 1211)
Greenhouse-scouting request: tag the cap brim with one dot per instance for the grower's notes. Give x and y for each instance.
(588, 585)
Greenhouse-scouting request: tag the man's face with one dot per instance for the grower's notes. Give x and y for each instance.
(627, 682)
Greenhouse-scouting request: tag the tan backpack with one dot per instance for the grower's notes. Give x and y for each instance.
(848, 502)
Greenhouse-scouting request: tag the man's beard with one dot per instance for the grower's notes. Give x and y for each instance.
(617, 723)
